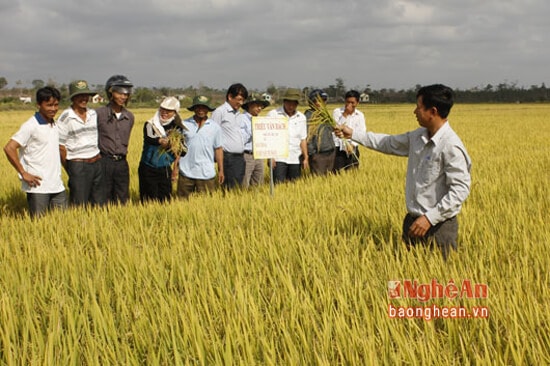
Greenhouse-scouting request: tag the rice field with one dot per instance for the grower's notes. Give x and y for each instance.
(298, 278)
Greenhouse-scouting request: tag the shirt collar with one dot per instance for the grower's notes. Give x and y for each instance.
(355, 112)
(192, 120)
(229, 108)
(440, 133)
(41, 120)
(73, 114)
(283, 112)
(123, 114)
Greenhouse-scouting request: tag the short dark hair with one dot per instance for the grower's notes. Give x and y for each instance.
(46, 93)
(353, 94)
(235, 90)
(438, 96)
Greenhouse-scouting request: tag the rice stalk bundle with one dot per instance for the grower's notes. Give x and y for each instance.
(321, 115)
(176, 142)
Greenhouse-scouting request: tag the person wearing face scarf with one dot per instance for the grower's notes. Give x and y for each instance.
(155, 167)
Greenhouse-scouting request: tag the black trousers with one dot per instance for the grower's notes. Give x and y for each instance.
(116, 175)
(343, 161)
(234, 167)
(85, 183)
(154, 183)
(284, 172)
(443, 235)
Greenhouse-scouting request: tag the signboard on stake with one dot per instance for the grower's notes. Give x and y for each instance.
(270, 140)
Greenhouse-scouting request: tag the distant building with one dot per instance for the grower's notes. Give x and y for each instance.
(267, 97)
(25, 100)
(97, 99)
(364, 97)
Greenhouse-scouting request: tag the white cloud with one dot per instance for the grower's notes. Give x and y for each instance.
(385, 43)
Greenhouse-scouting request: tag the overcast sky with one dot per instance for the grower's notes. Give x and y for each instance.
(382, 43)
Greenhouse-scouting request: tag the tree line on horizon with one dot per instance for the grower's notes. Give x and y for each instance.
(504, 92)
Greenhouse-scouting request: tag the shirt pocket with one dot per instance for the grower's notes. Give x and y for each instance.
(431, 170)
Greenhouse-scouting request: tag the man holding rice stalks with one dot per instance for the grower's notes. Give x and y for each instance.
(438, 172)
(162, 144)
(320, 141)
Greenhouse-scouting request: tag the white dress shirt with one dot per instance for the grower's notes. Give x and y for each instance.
(438, 171)
(356, 121)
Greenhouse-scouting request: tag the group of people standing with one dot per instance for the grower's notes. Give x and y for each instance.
(225, 139)
(92, 146)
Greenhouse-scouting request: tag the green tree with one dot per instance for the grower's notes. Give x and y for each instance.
(143, 95)
(3, 82)
(340, 88)
(37, 83)
(271, 89)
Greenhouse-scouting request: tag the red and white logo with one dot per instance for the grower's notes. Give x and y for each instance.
(467, 289)
(394, 289)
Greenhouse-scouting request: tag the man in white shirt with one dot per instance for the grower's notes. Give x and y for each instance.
(347, 153)
(289, 169)
(438, 172)
(78, 146)
(34, 152)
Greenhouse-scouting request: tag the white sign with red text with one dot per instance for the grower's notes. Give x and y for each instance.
(270, 137)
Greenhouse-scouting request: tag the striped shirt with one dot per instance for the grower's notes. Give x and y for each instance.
(79, 137)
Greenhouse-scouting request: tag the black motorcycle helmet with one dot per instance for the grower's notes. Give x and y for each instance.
(118, 83)
(312, 97)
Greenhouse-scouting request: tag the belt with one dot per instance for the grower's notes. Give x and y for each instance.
(115, 157)
(234, 154)
(89, 161)
(248, 151)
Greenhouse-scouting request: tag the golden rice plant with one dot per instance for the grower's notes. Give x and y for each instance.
(176, 142)
(247, 278)
(321, 115)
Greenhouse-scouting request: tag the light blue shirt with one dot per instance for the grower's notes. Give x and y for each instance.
(438, 171)
(226, 117)
(245, 120)
(198, 163)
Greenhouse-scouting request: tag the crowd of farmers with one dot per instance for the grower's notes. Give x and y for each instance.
(205, 152)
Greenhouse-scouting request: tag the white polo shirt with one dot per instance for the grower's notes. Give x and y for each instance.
(39, 154)
(79, 137)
